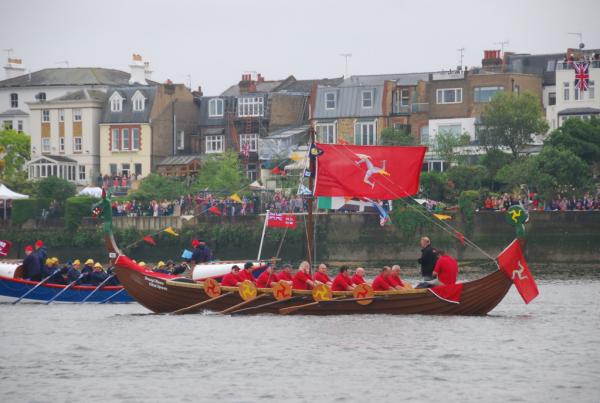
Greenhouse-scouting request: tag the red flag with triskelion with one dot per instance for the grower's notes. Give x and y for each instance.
(513, 264)
(376, 172)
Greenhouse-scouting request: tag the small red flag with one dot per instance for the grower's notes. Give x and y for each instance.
(215, 210)
(149, 240)
(5, 248)
(277, 171)
(276, 220)
(513, 264)
(460, 237)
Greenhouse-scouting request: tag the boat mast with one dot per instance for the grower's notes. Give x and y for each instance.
(310, 219)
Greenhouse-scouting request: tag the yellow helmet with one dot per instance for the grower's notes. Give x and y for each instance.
(160, 264)
(98, 265)
(49, 261)
(143, 264)
(55, 260)
(76, 261)
(89, 261)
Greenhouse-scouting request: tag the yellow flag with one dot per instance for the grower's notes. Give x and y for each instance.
(442, 217)
(235, 198)
(171, 231)
(296, 157)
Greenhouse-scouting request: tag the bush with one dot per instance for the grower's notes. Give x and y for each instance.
(467, 177)
(76, 208)
(55, 189)
(23, 210)
(467, 203)
(434, 186)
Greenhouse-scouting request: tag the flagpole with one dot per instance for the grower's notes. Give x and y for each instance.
(262, 238)
(310, 227)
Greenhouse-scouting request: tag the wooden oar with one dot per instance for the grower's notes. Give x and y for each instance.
(269, 304)
(71, 284)
(34, 288)
(181, 311)
(285, 311)
(97, 288)
(104, 301)
(241, 304)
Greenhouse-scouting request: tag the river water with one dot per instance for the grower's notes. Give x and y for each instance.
(543, 352)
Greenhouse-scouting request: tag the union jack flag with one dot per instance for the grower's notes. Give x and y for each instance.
(246, 150)
(582, 76)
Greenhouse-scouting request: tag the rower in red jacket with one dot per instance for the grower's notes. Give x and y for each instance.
(342, 282)
(267, 279)
(321, 275)
(246, 274)
(232, 279)
(358, 277)
(381, 281)
(301, 280)
(286, 273)
(394, 278)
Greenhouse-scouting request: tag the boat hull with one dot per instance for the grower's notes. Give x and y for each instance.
(15, 287)
(163, 295)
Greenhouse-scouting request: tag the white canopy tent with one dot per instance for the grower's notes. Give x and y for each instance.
(91, 191)
(7, 194)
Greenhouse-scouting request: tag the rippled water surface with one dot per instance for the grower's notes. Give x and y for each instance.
(546, 351)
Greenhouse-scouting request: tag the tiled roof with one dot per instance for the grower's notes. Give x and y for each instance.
(128, 115)
(68, 76)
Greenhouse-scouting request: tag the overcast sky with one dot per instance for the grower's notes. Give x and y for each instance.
(215, 41)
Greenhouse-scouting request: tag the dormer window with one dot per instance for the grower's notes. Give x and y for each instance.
(330, 100)
(116, 102)
(367, 99)
(41, 96)
(215, 107)
(139, 101)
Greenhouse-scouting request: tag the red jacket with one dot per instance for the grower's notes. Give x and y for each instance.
(300, 281)
(395, 281)
(230, 280)
(380, 284)
(245, 275)
(341, 282)
(322, 277)
(356, 279)
(265, 279)
(446, 269)
(284, 275)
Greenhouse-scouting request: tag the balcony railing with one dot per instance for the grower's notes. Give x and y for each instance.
(413, 108)
(595, 64)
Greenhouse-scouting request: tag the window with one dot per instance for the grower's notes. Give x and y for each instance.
(251, 140)
(45, 145)
(367, 99)
(135, 139)
(76, 115)
(552, 98)
(20, 126)
(116, 102)
(180, 140)
(215, 107)
(326, 133)
(14, 100)
(7, 124)
(424, 135)
(251, 172)
(125, 169)
(250, 106)
(566, 90)
(365, 134)
(61, 115)
(404, 97)
(138, 101)
(61, 144)
(330, 99)
(115, 140)
(403, 127)
(577, 94)
(113, 169)
(45, 115)
(455, 129)
(591, 89)
(77, 145)
(41, 96)
(449, 96)
(214, 144)
(138, 168)
(81, 172)
(485, 94)
(125, 139)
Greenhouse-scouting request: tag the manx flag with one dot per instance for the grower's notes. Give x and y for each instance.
(513, 264)
(376, 172)
(5, 248)
(276, 220)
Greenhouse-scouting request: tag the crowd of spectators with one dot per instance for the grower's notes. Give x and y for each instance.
(534, 202)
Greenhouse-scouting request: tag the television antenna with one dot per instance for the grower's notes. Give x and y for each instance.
(8, 52)
(462, 55)
(502, 44)
(346, 56)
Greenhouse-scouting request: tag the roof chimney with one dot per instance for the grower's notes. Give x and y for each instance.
(14, 68)
(247, 84)
(491, 60)
(138, 70)
(147, 71)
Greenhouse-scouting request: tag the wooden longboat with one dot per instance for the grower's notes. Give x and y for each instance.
(163, 295)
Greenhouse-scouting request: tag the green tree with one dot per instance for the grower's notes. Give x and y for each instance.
(510, 120)
(396, 137)
(155, 186)
(582, 137)
(467, 177)
(493, 161)
(520, 171)
(447, 144)
(221, 173)
(14, 147)
(434, 185)
(55, 189)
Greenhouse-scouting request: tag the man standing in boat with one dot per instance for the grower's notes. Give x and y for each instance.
(31, 265)
(41, 252)
(201, 252)
(428, 259)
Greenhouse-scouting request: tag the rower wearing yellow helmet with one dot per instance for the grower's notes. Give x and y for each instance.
(88, 269)
(161, 267)
(98, 275)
